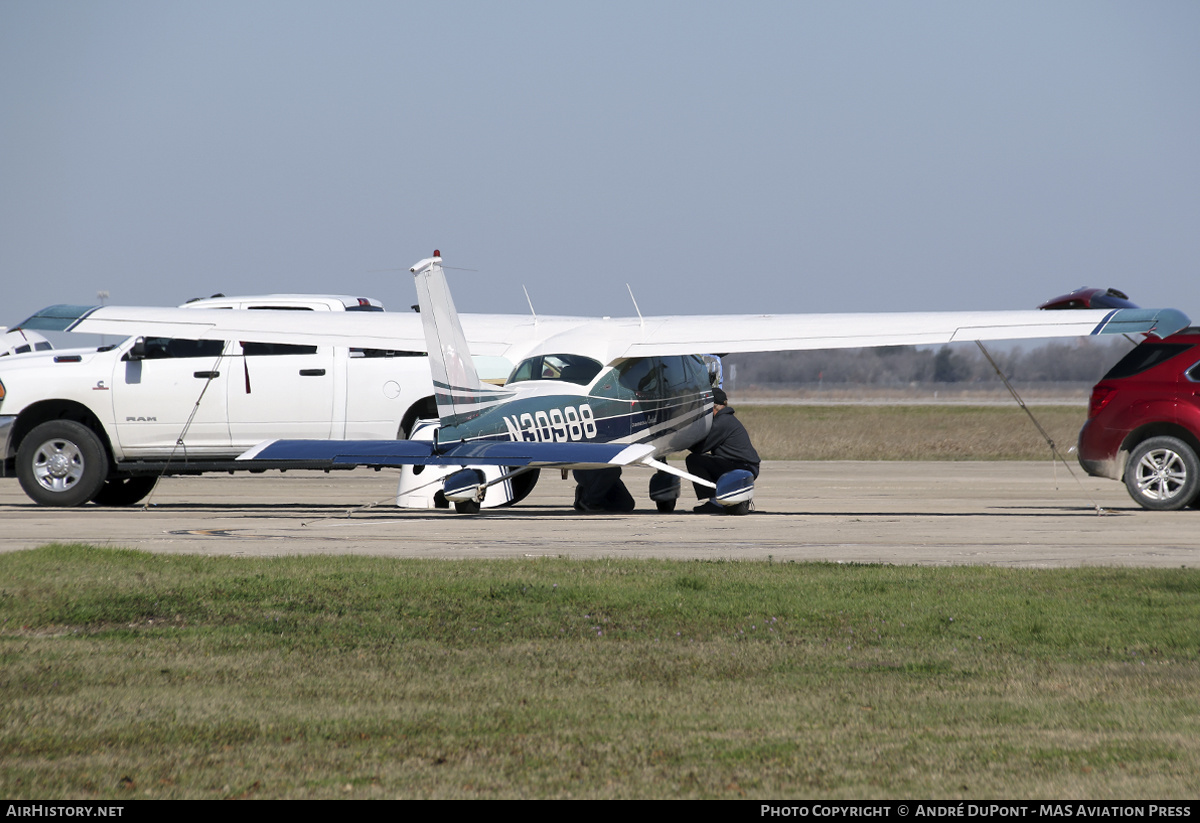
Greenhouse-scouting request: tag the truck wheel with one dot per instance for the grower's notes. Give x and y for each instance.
(124, 491)
(61, 463)
(1163, 474)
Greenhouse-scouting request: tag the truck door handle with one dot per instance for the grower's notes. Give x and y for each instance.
(206, 374)
(312, 372)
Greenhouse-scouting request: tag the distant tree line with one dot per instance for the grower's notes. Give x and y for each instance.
(1082, 361)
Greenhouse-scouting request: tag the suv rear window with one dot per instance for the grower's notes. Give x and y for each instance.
(1143, 357)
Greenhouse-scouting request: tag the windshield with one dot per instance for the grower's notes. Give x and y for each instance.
(569, 368)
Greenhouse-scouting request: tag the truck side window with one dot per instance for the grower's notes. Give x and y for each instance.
(385, 352)
(259, 349)
(166, 348)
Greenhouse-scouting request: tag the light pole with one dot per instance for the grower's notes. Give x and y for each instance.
(102, 295)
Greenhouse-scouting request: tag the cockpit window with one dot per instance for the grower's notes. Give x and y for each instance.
(569, 368)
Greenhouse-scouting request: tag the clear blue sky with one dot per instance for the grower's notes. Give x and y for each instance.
(720, 157)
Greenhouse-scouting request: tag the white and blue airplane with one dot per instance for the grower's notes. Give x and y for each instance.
(586, 393)
(594, 397)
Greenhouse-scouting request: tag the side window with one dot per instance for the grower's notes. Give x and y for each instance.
(684, 376)
(697, 373)
(373, 353)
(642, 375)
(268, 349)
(569, 368)
(677, 377)
(169, 348)
(1143, 358)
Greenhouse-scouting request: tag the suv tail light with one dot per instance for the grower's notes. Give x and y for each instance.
(1100, 397)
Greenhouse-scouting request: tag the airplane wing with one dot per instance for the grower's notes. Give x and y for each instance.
(726, 334)
(378, 453)
(488, 334)
(610, 339)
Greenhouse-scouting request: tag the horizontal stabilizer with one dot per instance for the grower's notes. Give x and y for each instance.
(423, 453)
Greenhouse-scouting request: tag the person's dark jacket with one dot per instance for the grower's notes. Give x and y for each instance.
(728, 440)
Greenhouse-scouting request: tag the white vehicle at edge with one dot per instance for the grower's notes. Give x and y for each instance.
(102, 424)
(19, 341)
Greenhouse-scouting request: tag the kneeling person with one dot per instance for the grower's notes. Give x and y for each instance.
(601, 490)
(726, 448)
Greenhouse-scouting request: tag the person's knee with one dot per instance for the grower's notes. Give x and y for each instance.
(619, 498)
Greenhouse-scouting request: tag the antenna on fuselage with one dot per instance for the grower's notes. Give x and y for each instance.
(641, 320)
(530, 302)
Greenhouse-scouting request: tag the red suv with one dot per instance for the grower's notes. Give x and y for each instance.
(1144, 423)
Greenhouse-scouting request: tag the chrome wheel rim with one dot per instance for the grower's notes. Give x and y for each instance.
(1161, 475)
(58, 465)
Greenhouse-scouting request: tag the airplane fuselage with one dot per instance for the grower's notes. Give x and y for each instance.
(665, 402)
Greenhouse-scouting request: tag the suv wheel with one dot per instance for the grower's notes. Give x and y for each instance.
(1163, 474)
(61, 463)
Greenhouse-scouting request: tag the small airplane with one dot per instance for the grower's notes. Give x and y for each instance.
(588, 400)
(586, 393)
(565, 410)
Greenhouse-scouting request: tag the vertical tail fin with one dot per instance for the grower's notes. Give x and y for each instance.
(457, 388)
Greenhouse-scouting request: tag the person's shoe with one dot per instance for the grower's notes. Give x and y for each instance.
(709, 508)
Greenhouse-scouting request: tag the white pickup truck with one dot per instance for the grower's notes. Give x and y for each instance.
(103, 424)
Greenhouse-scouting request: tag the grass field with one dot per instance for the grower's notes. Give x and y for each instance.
(791, 432)
(129, 675)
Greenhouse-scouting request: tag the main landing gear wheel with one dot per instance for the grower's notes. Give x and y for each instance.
(1163, 474)
(467, 507)
(664, 491)
(522, 485)
(61, 463)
